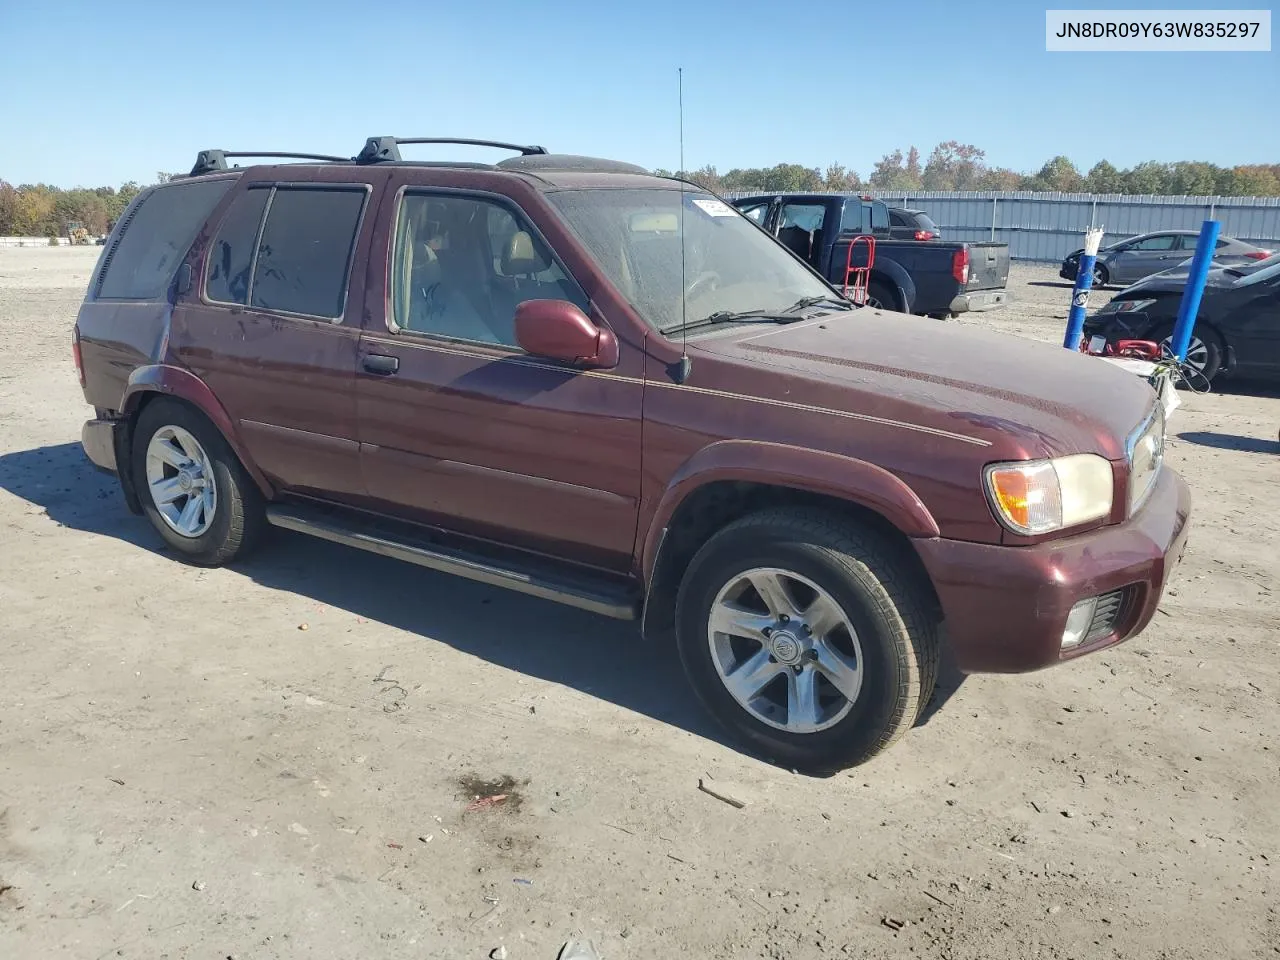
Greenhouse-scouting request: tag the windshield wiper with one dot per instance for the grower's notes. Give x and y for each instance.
(804, 303)
(729, 316)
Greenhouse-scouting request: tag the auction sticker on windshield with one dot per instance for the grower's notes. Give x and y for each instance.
(714, 208)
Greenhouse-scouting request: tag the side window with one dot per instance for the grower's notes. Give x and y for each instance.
(144, 259)
(461, 266)
(879, 218)
(757, 212)
(304, 256)
(897, 220)
(231, 253)
(855, 218)
(1191, 243)
(806, 216)
(1161, 241)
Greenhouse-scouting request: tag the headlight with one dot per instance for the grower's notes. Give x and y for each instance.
(1126, 306)
(1040, 496)
(1146, 457)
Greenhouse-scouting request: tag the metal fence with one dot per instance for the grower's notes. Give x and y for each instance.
(1046, 227)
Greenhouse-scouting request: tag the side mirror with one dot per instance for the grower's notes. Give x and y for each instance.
(559, 330)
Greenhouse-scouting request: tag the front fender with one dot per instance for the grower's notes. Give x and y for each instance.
(176, 382)
(796, 468)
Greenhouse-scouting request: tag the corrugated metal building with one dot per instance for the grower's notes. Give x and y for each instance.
(1048, 226)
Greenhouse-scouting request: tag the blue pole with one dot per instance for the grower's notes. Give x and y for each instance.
(1080, 294)
(1194, 289)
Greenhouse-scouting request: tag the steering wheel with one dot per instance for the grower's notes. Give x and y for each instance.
(708, 278)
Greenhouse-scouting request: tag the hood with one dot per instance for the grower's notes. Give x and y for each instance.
(1025, 398)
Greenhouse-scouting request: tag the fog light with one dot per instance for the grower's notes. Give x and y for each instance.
(1079, 620)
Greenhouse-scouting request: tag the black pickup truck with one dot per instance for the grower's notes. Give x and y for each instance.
(936, 278)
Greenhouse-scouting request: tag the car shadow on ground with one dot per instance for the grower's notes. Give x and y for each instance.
(1244, 387)
(605, 658)
(1230, 441)
(1059, 284)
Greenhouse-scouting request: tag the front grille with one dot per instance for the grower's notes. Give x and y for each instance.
(1106, 616)
(1146, 457)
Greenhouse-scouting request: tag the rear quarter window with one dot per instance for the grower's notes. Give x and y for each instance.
(146, 255)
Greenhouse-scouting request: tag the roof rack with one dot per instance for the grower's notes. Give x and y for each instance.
(387, 149)
(210, 161)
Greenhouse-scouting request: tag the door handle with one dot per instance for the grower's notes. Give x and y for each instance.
(380, 363)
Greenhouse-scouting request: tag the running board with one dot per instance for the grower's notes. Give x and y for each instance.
(602, 598)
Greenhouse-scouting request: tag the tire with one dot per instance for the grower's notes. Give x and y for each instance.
(228, 516)
(881, 297)
(1101, 276)
(1205, 353)
(889, 633)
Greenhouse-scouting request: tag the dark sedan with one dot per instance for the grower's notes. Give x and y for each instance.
(907, 224)
(1236, 331)
(1128, 260)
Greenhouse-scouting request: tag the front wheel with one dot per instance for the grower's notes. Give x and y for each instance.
(808, 638)
(193, 489)
(1204, 353)
(1100, 276)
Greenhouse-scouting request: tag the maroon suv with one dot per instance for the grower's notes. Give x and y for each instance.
(567, 377)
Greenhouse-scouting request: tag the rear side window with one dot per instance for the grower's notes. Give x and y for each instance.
(231, 253)
(156, 239)
(855, 218)
(298, 261)
(896, 219)
(879, 217)
(304, 255)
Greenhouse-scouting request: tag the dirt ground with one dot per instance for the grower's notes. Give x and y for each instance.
(277, 760)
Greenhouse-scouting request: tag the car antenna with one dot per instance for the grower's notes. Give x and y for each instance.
(681, 368)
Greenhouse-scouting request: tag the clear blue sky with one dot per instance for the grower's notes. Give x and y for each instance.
(102, 92)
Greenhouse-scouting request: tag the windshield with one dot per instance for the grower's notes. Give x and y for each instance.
(731, 266)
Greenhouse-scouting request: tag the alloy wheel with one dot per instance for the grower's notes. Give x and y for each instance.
(785, 650)
(180, 481)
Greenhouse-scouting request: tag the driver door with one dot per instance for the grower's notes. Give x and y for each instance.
(459, 427)
(799, 229)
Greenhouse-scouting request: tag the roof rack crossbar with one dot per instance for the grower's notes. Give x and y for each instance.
(210, 161)
(383, 149)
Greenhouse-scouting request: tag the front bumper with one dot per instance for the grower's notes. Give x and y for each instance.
(1006, 607)
(1069, 270)
(979, 300)
(98, 437)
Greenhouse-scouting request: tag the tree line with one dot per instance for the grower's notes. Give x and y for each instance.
(41, 210)
(962, 166)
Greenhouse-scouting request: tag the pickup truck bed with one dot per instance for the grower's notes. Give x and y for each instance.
(933, 277)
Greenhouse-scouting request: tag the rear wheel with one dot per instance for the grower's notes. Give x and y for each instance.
(808, 638)
(193, 489)
(881, 297)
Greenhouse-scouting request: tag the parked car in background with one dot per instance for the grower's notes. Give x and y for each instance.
(1237, 329)
(575, 380)
(937, 279)
(1128, 260)
(907, 224)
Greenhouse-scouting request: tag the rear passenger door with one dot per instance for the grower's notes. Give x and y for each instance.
(460, 428)
(272, 326)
